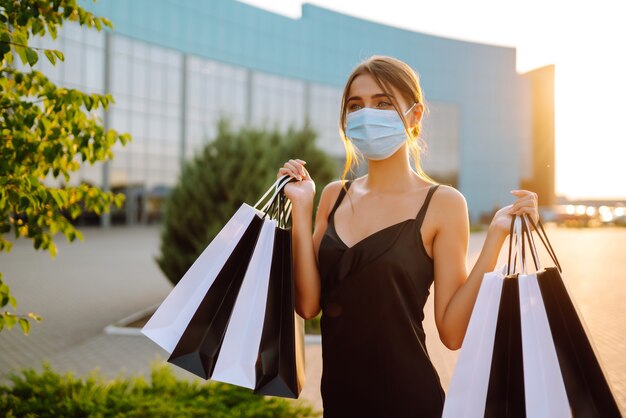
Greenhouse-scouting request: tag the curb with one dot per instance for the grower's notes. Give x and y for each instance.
(120, 327)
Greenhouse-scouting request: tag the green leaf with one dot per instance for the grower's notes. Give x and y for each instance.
(59, 196)
(21, 52)
(32, 56)
(10, 320)
(52, 249)
(88, 103)
(59, 54)
(51, 57)
(37, 27)
(53, 31)
(25, 325)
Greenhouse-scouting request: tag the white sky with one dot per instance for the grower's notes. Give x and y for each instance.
(585, 40)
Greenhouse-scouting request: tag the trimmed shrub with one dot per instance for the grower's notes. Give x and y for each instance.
(50, 394)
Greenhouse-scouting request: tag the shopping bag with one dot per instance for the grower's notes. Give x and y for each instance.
(588, 390)
(280, 361)
(200, 343)
(544, 389)
(525, 380)
(198, 347)
(241, 348)
(505, 394)
(537, 369)
(168, 322)
(238, 353)
(471, 376)
(466, 395)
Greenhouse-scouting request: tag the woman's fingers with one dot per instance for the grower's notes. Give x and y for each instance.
(288, 171)
(282, 171)
(299, 167)
(294, 168)
(306, 173)
(527, 203)
(527, 199)
(523, 203)
(525, 194)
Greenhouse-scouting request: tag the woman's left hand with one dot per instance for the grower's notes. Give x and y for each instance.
(527, 202)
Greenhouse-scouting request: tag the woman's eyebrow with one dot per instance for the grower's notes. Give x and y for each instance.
(374, 96)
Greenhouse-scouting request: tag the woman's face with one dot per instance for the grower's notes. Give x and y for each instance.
(365, 92)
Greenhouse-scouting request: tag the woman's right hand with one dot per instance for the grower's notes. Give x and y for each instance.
(302, 191)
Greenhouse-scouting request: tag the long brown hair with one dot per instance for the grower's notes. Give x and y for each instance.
(387, 71)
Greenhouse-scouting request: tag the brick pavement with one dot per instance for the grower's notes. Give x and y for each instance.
(112, 274)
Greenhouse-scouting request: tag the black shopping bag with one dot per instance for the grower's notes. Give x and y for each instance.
(280, 364)
(588, 390)
(505, 394)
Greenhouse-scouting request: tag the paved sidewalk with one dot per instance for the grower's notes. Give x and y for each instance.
(112, 274)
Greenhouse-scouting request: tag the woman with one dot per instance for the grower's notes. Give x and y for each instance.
(373, 256)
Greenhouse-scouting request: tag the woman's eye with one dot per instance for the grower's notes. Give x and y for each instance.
(383, 104)
(354, 107)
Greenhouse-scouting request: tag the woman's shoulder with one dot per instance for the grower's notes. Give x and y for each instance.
(448, 199)
(333, 187)
(330, 193)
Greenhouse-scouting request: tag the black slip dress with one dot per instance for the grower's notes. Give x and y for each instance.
(374, 358)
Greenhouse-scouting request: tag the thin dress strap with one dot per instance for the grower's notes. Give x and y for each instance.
(422, 212)
(342, 193)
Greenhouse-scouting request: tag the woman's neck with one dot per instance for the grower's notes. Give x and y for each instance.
(390, 176)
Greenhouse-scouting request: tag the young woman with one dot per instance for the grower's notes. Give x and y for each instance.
(378, 244)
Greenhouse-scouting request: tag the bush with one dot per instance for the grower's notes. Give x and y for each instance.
(49, 394)
(233, 168)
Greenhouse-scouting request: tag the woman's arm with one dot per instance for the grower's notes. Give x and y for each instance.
(305, 250)
(306, 273)
(455, 290)
(304, 245)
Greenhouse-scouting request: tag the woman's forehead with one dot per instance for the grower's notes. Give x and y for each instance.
(364, 85)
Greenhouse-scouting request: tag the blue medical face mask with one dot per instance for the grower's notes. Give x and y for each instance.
(377, 133)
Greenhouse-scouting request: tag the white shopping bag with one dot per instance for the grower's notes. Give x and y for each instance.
(167, 324)
(466, 393)
(169, 321)
(544, 389)
(239, 350)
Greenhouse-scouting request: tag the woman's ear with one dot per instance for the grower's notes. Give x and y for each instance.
(415, 117)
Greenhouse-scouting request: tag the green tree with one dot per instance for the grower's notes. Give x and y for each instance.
(233, 168)
(45, 129)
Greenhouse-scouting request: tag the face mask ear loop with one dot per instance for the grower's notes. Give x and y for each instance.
(409, 109)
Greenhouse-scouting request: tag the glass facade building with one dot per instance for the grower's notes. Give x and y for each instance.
(174, 68)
